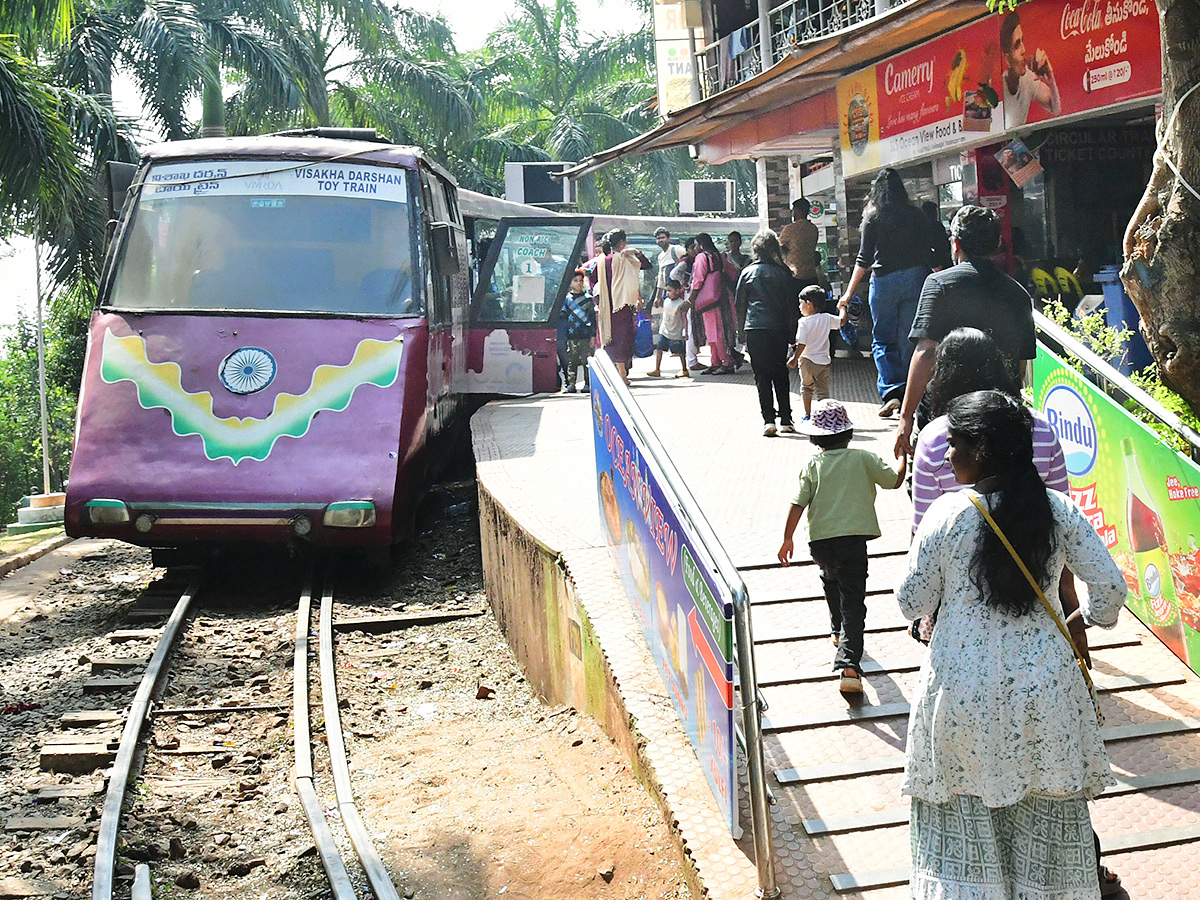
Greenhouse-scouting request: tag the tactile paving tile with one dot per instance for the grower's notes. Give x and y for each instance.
(744, 483)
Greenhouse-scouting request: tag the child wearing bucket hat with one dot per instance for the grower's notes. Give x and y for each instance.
(837, 487)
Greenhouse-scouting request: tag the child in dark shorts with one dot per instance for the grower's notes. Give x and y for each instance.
(837, 487)
(672, 329)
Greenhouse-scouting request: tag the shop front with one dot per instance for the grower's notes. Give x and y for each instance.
(1045, 115)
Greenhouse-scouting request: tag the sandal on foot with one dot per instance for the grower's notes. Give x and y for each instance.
(851, 682)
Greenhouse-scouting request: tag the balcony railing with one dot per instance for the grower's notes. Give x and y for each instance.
(731, 60)
(736, 57)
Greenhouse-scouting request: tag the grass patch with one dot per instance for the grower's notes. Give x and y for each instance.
(19, 543)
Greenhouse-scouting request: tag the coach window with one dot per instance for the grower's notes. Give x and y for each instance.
(436, 211)
(528, 268)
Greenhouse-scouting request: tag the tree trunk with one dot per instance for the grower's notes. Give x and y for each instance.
(1162, 242)
(212, 99)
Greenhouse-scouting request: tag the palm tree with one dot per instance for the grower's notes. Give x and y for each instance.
(177, 50)
(548, 89)
(52, 141)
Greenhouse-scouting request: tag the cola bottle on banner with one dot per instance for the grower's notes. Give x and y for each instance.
(1150, 556)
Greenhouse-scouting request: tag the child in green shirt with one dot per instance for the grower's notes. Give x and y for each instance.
(837, 487)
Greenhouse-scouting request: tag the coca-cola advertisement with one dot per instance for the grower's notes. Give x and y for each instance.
(966, 88)
(1064, 57)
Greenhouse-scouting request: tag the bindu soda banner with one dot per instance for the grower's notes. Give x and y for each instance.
(1142, 497)
(685, 612)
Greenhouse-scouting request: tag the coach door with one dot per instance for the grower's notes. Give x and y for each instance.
(523, 274)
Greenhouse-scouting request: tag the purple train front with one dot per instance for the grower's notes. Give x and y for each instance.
(273, 354)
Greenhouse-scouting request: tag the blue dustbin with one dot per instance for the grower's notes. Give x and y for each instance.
(1119, 312)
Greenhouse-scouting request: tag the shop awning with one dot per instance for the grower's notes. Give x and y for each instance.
(809, 69)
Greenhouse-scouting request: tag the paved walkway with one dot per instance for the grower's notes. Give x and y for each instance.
(840, 824)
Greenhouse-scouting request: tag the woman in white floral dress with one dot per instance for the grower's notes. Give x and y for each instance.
(1003, 745)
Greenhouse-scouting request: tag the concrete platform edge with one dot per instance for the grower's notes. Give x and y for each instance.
(566, 618)
(34, 553)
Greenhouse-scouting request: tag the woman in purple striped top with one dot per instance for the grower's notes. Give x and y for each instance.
(968, 360)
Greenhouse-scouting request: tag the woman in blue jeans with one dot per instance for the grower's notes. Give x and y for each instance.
(898, 246)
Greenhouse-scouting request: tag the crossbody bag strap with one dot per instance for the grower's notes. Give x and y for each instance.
(1087, 676)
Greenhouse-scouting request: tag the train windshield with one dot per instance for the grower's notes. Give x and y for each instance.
(272, 236)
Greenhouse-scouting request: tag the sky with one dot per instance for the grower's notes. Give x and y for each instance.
(470, 20)
(473, 20)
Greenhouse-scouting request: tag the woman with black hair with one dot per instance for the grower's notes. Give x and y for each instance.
(768, 307)
(1003, 747)
(969, 360)
(709, 299)
(899, 246)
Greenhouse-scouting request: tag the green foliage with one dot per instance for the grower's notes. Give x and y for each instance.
(1094, 333)
(1149, 382)
(20, 415)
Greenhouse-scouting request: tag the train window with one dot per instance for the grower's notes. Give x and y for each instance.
(451, 202)
(528, 266)
(270, 235)
(439, 282)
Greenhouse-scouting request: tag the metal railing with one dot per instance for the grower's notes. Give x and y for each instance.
(1113, 382)
(720, 68)
(753, 705)
(805, 20)
(791, 24)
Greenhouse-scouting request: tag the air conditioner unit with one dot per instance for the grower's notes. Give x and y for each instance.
(531, 182)
(711, 195)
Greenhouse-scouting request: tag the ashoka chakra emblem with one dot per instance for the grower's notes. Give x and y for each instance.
(247, 370)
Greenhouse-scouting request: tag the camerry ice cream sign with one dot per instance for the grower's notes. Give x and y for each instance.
(969, 87)
(936, 97)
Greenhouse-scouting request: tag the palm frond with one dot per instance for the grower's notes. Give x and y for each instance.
(431, 88)
(90, 57)
(38, 168)
(168, 57)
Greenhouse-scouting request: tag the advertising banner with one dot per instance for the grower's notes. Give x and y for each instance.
(1063, 57)
(939, 96)
(1049, 58)
(671, 52)
(686, 613)
(1142, 497)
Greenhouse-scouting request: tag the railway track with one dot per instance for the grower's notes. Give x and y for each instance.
(133, 748)
(445, 736)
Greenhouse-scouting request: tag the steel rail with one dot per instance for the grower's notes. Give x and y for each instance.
(364, 846)
(331, 858)
(118, 781)
(753, 705)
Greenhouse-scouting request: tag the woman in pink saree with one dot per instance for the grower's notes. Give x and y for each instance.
(708, 295)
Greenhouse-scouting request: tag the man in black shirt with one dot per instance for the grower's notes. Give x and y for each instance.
(974, 293)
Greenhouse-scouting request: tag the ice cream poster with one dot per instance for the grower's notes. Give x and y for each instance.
(938, 96)
(685, 613)
(1142, 497)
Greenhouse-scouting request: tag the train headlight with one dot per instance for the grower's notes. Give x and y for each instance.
(302, 525)
(144, 523)
(106, 512)
(349, 514)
